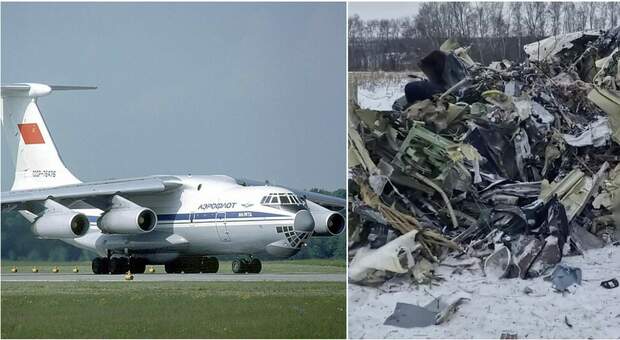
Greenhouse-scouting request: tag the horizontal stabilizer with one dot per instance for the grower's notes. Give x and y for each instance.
(38, 90)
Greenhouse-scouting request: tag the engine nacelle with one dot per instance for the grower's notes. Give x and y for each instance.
(133, 220)
(58, 225)
(326, 222)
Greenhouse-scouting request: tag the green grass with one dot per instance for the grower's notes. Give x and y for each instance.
(174, 310)
(322, 266)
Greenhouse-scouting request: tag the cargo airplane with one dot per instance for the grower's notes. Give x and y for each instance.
(183, 222)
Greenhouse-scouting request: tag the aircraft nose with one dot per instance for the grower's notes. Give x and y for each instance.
(303, 221)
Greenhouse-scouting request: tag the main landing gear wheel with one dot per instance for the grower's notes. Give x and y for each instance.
(190, 264)
(137, 266)
(238, 266)
(209, 265)
(173, 267)
(119, 265)
(246, 266)
(255, 266)
(101, 265)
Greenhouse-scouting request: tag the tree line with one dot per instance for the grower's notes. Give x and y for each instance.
(495, 30)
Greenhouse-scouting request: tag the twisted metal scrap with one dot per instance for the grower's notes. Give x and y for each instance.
(431, 241)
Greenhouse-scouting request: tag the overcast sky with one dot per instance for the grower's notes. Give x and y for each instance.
(248, 90)
(383, 10)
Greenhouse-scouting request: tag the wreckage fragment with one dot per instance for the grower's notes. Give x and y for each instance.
(508, 164)
(498, 263)
(435, 312)
(564, 277)
(549, 49)
(610, 284)
(374, 265)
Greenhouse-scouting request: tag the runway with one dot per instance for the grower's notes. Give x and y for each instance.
(161, 277)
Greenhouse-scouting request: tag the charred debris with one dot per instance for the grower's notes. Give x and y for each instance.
(508, 166)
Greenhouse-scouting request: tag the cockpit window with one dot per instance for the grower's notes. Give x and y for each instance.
(285, 201)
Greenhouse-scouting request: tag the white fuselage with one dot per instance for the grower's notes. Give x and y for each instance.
(208, 215)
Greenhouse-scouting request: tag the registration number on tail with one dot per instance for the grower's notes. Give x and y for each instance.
(43, 173)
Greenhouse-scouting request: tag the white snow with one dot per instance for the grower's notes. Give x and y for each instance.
(379, 90)
(498, 306)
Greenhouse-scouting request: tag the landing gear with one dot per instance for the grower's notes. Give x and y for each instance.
(209, 265)
(101, 265)
(193, 265)
(255, 266)
(119, 265)
(238, 266)
(252, 265)
(173, 267)
(137, 265)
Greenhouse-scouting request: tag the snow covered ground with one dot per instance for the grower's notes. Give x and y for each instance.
(379, 90)
(498, 306)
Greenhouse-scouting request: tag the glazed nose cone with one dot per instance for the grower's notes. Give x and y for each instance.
(303, 221)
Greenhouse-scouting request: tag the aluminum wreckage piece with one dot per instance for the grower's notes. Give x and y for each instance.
(515, 165)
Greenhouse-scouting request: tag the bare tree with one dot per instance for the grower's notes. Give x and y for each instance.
(458, 12)
(591, 13)
(517, 22)
(555, 9)
(535, 18)
(494, 30)
(580, 16)
(612, 10)
(569, 23)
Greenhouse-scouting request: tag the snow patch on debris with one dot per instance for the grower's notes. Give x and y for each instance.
(500, 305)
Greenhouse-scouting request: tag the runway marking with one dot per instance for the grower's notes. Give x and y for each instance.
(38, 277)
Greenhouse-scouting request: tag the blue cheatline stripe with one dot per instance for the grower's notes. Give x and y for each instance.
(172, 217)
(230, 215)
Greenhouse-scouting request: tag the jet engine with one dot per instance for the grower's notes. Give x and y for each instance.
(57, 225)
(126, 217)
(326, 222)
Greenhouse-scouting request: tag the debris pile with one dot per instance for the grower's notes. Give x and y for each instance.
(513, 165)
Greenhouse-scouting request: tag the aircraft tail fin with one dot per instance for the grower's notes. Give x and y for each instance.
(36, 159)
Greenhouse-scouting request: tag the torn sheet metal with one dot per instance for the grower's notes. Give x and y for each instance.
(583, 239)
(610, 103)
(406, 315)
(596, 133)
(564, 277)
(498, 263)
(444, 69)
(374, 265)
(547, 49)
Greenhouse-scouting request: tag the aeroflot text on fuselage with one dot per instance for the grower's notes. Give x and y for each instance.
(209, 206)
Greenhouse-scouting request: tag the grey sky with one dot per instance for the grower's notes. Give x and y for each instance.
(383, 10)
(249, 90)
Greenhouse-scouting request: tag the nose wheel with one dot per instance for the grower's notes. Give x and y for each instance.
(252, 265)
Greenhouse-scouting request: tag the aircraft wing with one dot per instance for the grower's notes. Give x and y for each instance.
(93, 189)
(322, 199)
